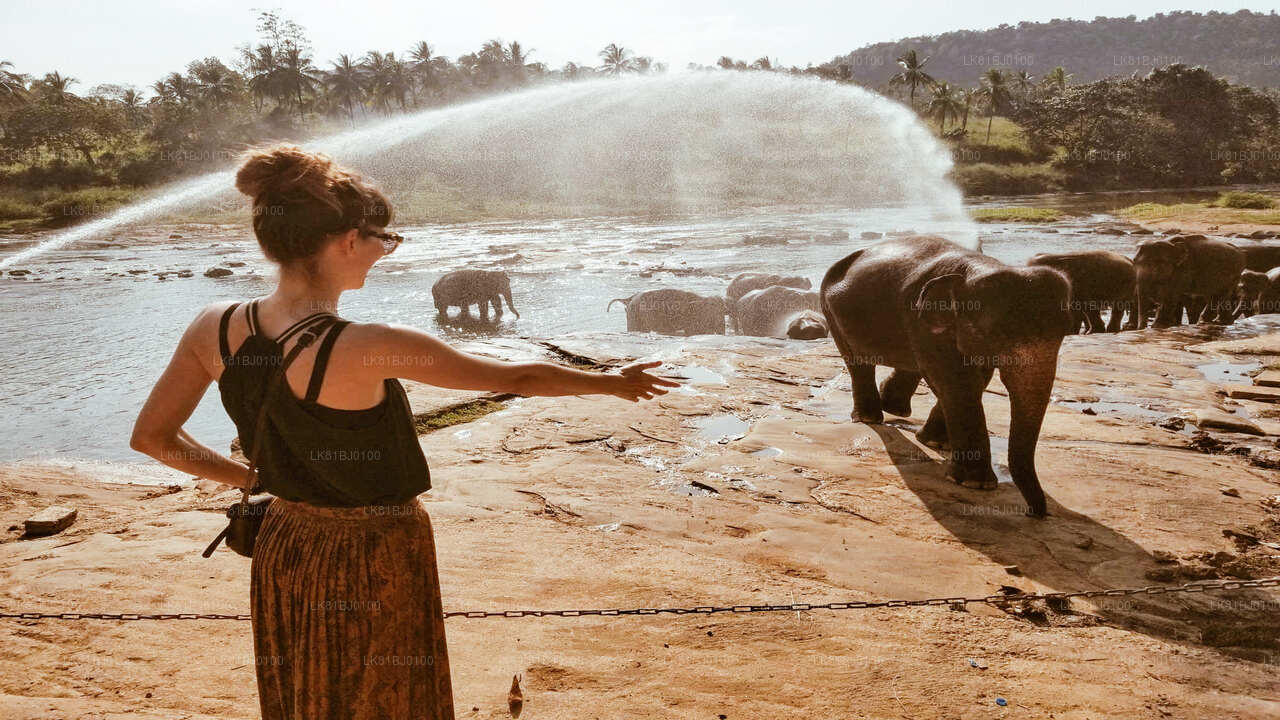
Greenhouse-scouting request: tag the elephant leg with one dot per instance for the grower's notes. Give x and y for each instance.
(959, 388)
(896, 392)
(496, 302)
(1218, 311)
(934, 431)
(1117, 315)
(866, 398)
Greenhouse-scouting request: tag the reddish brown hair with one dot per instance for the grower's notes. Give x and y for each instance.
(301, 198)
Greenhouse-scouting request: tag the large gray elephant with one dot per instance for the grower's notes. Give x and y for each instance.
(1100, 280)
(464, 288)
(1260, 258)
(931, 309)
(673, 312)
(746, 282)
(780, 311)
(1191, 271)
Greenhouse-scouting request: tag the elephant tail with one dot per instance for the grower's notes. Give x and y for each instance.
(624, 302)
(507, 296)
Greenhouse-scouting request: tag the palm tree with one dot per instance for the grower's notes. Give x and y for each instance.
(425, 66)
(573, 71)
(263, 69)
(517, 59)
(968, 97)
(995, 91)
(297, 76)
(54, 87)
(1023, 83)
(346, 84)
(1057, 79)
(388, 80)
(13, 86)
(913, 74)
(617, 60)
(944, 104)
(215, 83)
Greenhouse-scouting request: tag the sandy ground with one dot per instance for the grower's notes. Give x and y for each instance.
(590, 503)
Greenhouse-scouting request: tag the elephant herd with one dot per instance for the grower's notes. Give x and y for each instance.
(757, 304)
(929, 309)
(1204, 279)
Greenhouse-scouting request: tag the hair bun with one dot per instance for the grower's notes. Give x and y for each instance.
(285, 168)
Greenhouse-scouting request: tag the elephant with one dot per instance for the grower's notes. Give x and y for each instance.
(1194, 271)
(673, 312)
(464, 288)
(807, 325)
(931, 309)
(1259, 293)
(770, 312)
(1260, 258)
(746, 282)
(1099, 280)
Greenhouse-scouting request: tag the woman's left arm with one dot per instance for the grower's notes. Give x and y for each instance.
(158, 430)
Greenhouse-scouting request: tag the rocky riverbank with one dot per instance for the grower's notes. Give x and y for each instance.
(750, 486)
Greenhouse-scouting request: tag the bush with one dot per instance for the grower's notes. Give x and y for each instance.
(78, 205)
(11, 209)
(988, 179)
(1244, 201)
(1015, 214)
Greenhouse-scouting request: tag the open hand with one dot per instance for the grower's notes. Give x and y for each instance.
(633, 383)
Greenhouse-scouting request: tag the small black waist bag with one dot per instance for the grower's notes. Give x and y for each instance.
(246, 515)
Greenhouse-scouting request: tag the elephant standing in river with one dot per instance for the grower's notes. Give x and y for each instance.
(929, 308)
(1190, 271)
(746, 282)
(1260, 258)
(464, 288)
(673, 312)
(780, 311)
(1259, 293)
(1099, 280)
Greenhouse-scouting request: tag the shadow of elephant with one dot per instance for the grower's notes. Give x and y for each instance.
(1062, 550)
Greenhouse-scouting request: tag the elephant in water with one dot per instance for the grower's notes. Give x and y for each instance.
(673, 312)
(746, 282)
(1099, 280)
(1190, 271)
(780, 311)
(465, 288)
(1259, 293)
(929, 308)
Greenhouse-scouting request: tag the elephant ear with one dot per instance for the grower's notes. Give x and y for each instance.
(1181, 252)
(936, 306)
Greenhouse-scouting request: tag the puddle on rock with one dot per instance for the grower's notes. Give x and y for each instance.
(768, 452)
(1116, 407)
(1000, 458)
(698, 375)
(1228, 372)
(722, 428)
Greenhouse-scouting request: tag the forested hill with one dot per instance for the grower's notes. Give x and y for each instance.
(1243, 47)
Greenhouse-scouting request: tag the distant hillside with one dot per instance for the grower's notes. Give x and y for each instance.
(1243, 47)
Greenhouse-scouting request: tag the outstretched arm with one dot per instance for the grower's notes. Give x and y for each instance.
(405, 352)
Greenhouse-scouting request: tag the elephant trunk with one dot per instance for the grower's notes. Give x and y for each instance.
(1028, 375)
(506, 293)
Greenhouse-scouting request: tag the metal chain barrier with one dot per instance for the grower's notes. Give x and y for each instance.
(996, 600)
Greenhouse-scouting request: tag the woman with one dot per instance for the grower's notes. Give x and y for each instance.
(345, 597)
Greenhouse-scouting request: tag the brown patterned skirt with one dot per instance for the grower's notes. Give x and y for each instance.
(347, 619)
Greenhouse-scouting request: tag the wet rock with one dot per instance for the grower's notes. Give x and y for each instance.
(512, 260)
(1267, 378)
(1172, 231)
(1229, 491)
(1089, 411)
(19, 272)
(1206, 443)
(136, 271)
(1175, 424)
(1110, 230)
(236, 263)
(217, 272)
(1222, 421)
(574, 266)
(49, 521)
(1142, 231)
(174, 236)
(185, 273)
(764, 240)
(871, 235)
(1253, 392)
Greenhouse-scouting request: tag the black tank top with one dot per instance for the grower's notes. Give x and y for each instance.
(309, 452)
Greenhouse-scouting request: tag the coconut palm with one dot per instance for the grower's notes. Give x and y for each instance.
(54, 87)
(425, 67)
(944, 103)
(968, 97)
(1056, 79)
(298, 76)
(995, 90)
(912, 74)
(617, 60)
(388, 80)
(346, 83)
(262, 66)
(13, 86)
(1023, 83)
(215, 83)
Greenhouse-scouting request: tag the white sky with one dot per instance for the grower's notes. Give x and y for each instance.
(139, 41)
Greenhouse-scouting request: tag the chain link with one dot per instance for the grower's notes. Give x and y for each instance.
(995, 600)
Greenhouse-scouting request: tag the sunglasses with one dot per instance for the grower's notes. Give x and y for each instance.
(390, 240)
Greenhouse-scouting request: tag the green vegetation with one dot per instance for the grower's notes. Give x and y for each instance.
(454, 415)
(1016, 214)
(1206, 213)
(1244, 200)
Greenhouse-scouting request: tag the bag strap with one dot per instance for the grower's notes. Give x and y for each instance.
(305, 339)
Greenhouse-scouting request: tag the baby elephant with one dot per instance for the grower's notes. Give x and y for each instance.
(1259, 293)
(673, 312)
(746, 282)
(780, 311)
(1099, 280)
(464, 288)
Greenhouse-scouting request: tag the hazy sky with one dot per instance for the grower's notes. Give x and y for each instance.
(139, 41)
